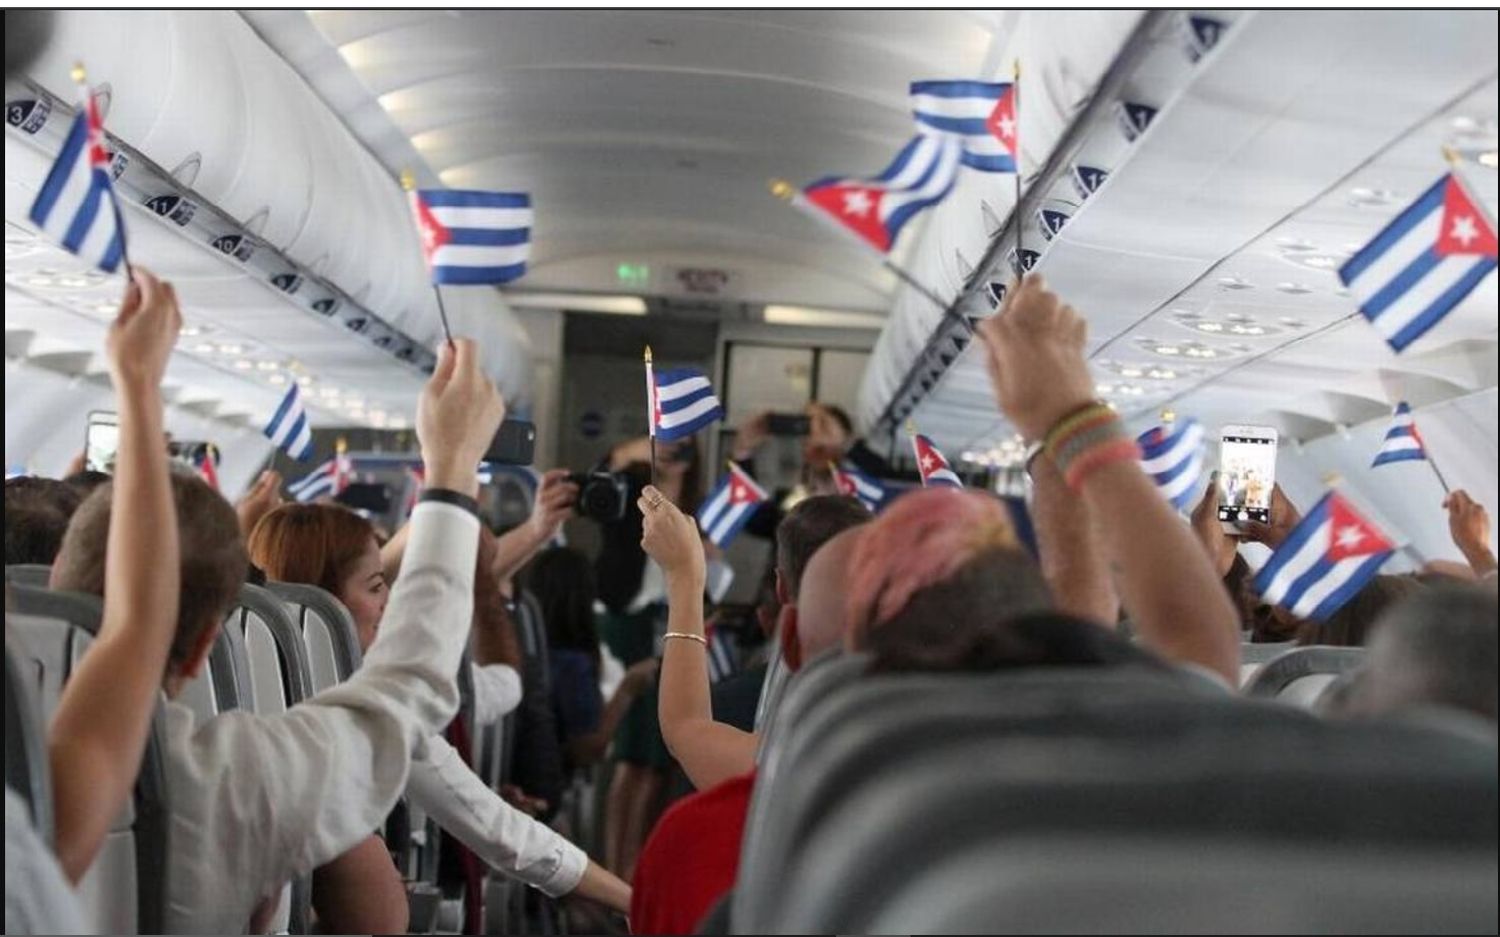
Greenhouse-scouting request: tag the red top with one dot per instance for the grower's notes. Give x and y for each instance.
(691, 859)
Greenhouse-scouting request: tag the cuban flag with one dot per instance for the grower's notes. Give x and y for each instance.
(289, 428)
(852, 482)
(1424, 263)
(76, 204)
(730, 506)
(980, 113)
(1402, 442)
(876, 209)
(932, 466)
(682, 403)
(722, 660)
(1325, 561)
(328, 479)
(471, 238)
(206, 462)
(1174, 460)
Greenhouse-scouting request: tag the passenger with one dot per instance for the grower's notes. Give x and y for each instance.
(258, 800)
(84, 482)
(735, 698)
(332, 547)
(830, 439)
(562, 580)
(711, 752)
(1355, 621)
(1436, 648)
(1469, 525)
(37, 511)
(103, 717)
(261, 498)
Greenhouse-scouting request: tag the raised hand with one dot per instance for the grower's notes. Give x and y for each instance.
(751, 435)
(1220, 546)
(457, 416)
(263, 497)
(140, 339)
(1036, 359)
(1469, 525)
(671, 538)
(555, 498)
(1284, 517)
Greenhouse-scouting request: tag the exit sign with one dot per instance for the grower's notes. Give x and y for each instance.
(633, 274)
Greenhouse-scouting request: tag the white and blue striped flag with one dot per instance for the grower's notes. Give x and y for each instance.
(729, 507)
(76, 204)
(981, 113)
(1327, 558)
(1174, 460)
(329, 479)
(684, 402)
(289, 428)
(1402, 442)
(933, 465)
(1424, 263)
(852, 482)
(471, 237)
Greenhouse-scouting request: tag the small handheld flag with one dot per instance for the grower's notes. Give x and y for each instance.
(206, 462)
(76, 204)
(982, 114)
(853, 483)
(1325, 561)
(473, 238)
(1402, 442)
(683, 402)
(328, 479)
(876, 210)
(289, 428)
(932, 465)
(1174, 460)
(729, 506)
(1424, 263)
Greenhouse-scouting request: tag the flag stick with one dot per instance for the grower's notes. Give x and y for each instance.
(651, 410)
(80, 77)
(443, 313)
(1438, 472)
(1015, 92)
(409, 185)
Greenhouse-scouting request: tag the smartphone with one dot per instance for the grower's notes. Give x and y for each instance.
(514, 444)
(788, 424)
(101, 441)
(373, 497)
(1247, 474)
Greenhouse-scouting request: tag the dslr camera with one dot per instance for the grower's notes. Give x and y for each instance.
(601, 495)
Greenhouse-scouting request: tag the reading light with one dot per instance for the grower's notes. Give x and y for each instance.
(828, 318)
(580, 302)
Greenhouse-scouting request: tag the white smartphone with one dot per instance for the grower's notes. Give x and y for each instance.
(101, 441)
(1247, 473)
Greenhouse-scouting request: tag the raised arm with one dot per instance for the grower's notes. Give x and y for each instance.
(1072, 556)
(1042, 383)
(555, 497)
(494, 639)
(99, 731)
(709, 751)
(1469, 525)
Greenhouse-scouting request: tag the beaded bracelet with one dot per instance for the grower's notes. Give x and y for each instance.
(1086, 440)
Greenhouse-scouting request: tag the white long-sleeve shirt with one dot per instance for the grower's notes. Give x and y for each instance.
(258, 800)
(497, 691)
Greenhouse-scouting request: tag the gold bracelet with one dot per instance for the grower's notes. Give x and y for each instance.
(685, 634)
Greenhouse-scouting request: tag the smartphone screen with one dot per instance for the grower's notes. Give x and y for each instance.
(1247, 473)
(101, 442)
(788, 424)
(514, 444)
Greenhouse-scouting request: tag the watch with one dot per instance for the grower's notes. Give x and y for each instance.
(449, 496)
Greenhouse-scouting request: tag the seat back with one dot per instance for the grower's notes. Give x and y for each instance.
(805, 690)
(959, 763)
(28, 574)
(125, 888)
(1302, 675)
(778, 674)
(26, 739)
(327, 630)
(1255, 656)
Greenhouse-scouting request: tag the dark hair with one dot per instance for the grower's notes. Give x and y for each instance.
(809, 525)
(1350, 626)
(1437, 646)
(37, 511)
(969, 621)
(840, 416)
(86, 481)
(212, 567)
(562, 579)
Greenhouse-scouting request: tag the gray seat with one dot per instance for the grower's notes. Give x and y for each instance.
(1302, 675)
(125, 888)
(1255, 656)
(805, 690)
(26, 766)
(948, 760)
(327, 630)
(773, 688)
(28, 574)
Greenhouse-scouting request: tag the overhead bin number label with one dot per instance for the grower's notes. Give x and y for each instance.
(287, 282)
(29, 116)
(326, 306)
(174, 208)
(235, 245)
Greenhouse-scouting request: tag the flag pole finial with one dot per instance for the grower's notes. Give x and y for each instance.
(79, 74)
(647, 355)
(1015, 70)
(911, 427)
(1168, 415)
(1332, 479)
(408, 180)
(782, 189)
(1450, 154)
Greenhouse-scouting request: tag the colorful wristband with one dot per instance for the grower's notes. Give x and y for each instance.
(1121, 449)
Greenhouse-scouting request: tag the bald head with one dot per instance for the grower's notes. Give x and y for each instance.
(821, 596)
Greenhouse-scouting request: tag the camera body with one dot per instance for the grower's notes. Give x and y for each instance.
(602, 496)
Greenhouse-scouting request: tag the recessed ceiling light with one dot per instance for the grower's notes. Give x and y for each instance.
(73, 283)
(188, 330)
(229, 348)
(267, 365)
(1463, 123)
(1167, 350)
(1490, 158)
(277, 379)
(110, 309)
(1295, 245)
(579, 302)
(243, 365)
(1130, 372)
(1104, 388)
(827, 318)
(1186, 314)
(1294, 289)
(1234, 283)
(328, 393)
(39, 279)
(1247, 329)
(1291, 322)
(1210, 326)
(1318, 261)
(1371, 197)
(1162, 374)
(203, 348)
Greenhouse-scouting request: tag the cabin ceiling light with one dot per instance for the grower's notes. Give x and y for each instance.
(1294, 289)
(580, 302)
(243, 364)
(1371, 197)
(1490, 158)
(277, 379)
(1235, 283)
(204, 348)
(827, 318)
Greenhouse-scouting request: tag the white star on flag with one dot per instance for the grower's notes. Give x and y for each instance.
(1007, 128)
(1464, 230)
(1349, 537)
(928, 462)
(857, 203)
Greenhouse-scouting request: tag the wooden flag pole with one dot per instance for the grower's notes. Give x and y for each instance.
(1015, 92)
(80, 77)
(409, 185)
(651, 410)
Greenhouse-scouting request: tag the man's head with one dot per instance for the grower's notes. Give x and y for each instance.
(1437, 647)
(86, 481)
(37, 511)
(937, 579)
(816, 622)
(809, 525)
(1354, 623)
(213, 562)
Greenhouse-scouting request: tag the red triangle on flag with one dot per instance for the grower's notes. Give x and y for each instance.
(1351, 534)
(434, 233)
(857, 206)
(1465, 230)
(1002, 120)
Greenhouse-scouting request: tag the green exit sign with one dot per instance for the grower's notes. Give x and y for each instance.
(633, 274)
